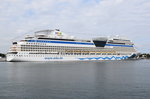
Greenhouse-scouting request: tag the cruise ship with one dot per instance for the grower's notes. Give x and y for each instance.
(54, 45)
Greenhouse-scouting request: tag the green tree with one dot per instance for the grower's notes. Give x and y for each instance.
(2, 55)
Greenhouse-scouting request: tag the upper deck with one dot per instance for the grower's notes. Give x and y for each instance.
(58, 38)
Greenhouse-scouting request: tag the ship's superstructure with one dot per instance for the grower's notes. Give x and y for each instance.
(54, 45)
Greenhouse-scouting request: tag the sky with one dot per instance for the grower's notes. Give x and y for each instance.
(81, 18)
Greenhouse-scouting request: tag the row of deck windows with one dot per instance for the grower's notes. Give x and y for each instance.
(67, 54)
(57, 47)
(35, 55)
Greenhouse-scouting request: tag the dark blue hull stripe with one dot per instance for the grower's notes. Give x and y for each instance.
(62, 42)
(81, 43)
(119, 45)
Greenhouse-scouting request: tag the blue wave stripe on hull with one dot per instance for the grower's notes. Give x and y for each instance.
(104, 58)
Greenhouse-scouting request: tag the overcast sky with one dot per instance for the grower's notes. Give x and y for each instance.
(82, 18)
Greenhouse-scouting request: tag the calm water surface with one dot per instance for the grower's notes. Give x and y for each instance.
(75, 80)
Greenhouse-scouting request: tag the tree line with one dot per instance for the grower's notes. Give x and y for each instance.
(2, 55)
(146, 56)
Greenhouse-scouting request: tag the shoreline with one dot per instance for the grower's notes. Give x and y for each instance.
(2, 59)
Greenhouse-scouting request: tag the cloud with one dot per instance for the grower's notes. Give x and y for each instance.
(88, 18)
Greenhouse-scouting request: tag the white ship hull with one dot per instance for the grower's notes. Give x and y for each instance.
(66, 58)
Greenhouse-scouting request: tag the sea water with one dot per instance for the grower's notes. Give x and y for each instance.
(128, 79)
